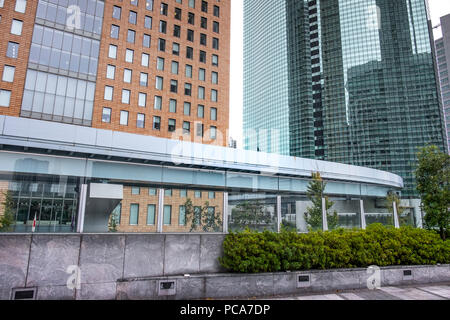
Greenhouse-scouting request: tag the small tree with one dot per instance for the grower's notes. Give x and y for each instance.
(313, 215)
(112, 223)
(251, 214)
(7, 218)
(204, 218)
(433, 185)
(390, 199)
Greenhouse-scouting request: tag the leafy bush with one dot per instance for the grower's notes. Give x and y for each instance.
(252, 252)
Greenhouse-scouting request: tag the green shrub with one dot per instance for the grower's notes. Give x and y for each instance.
(252, 252)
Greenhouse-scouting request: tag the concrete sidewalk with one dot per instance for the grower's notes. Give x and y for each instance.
(436, 291)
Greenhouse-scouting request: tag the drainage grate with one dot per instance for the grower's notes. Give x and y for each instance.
(167, 288)
(303, 280)
(24, 294)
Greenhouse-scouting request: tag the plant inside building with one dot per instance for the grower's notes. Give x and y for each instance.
(202, 218)
(251, 214)
(313, 214)
(433, 184)
(7, 216)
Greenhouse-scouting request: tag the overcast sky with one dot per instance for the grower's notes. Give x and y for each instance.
(438, 9)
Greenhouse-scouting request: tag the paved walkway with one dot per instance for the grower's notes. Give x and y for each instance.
(418, 292)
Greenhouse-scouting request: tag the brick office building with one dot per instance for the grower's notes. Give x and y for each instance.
(149, 67)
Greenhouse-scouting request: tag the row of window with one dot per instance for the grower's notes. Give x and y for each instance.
(170, 192)
(159, 85)
(167, 214)
(160, 65)
(156, 125)
(20, 6)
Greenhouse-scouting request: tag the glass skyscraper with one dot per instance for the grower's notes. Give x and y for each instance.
(361, 81)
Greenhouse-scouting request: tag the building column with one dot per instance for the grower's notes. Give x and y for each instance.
(396, 221)
(160, 218)
(278, 214)
(363, 214)
(82, 208)
(225, 213)
(324, 216)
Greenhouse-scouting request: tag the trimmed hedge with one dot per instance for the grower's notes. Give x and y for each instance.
(252, 252)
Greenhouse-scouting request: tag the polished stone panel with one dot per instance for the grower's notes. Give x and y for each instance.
(239, 286)
(190, 288)
(101, 258)
(97, 291)
(144, 256)
(55, 293)
(50, 257)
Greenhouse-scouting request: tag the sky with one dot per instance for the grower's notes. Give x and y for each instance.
(438, 8)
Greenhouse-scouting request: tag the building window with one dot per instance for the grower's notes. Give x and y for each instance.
(127, 75)
(203, 41)
(123, 118)
(188, 71)
(110, 72)
(174, 67)
(201, 74)
(216, 11)
(143, 80)
(21, 6)
(182, 216)
(152, 192)
(204, 6)
(213, 133)
(162, 45)
(164, 9)
(201, 93)
(167, 192)
(134, 214)
(115, 30)
(191, 18)
(146, 41)
(135, 190)
(108, 93)
(140, 121)
(173, 106)
(16, 27)
(8, 73)
(213, 114)
(214, 95)
(129, 55)
(200, 111)
(178, 13)
(132, 17)
(202, 56)
(142, 101)
(159, 83)
(112, 53)
(156, 123)
(5, 98)
(176, 49)
(204, 23)
(12, 50)
(215, 60)
(190, 35)
(145, 59)
(172, 125)
(157, 103)
(117, 11)
(149, 5)
(187, 109)
(106, 115)
(125, 96)
(211, 195)
(189, 53)
(200, 129)
(160, 64)
(174, 86)
(187, 89)
(216, 26)
(197, 194)
(186, 127)
(191, 4)
(148, 22)
(162, 26)
(176, 31)
(167, 215)
(151, 210)
(131, 36)
(214, 77)
(215, 43)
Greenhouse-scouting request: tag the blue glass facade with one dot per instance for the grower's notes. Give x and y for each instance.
(372, 98)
